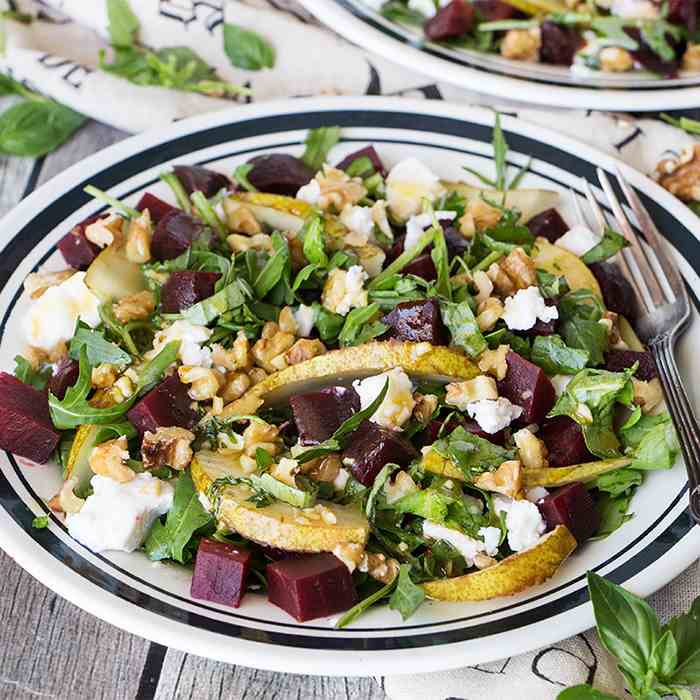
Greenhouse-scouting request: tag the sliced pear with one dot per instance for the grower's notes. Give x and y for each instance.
(514, 574)
(279, 524)
(538, 7)
(275, 210)
(628, 334)
(423, 360)
(437, 464)
(112, 276)
(78, 464)
(559, 261)
(529, 202)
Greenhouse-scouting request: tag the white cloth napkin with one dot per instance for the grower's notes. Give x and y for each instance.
(58, 54)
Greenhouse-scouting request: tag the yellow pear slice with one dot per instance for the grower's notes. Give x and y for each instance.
(559, 261)
(628, 334)
(422, 360)
(279, 524)
(275, 210)
(514, 574)
(112, 276)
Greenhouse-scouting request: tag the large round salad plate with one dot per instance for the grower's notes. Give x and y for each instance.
(491, 74)
(153, 600)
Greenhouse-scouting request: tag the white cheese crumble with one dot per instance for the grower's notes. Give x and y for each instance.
(524, 522)
(52, 317)
(305, 316)
(467, 546)
(119, 516)
(191, 338)
(493, 415)
(522, 310)
(426, 7)
(408, 183)
(578, 240)
(341, 480)
(416, 226)
(536, 493)
(360, 223)
(560, 382)
(398, 404)
(634, 9)
(345, 290)
(310, 193)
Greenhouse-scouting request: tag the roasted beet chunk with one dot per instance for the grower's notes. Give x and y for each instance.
(157, 208)
(451, 21)
(548, 224)
(649, 58)
(526, 385)
(366, 152)
(432, 430)
(186, 288)
(174, 234)
(279, 173)
(684, 12)
(77, 251)
(618, 293)
(495, 10)
(314, 586)
(220, 572)
(196, 179)
(25, 424)
(318, 414)
(417, 321)
(563, 438)
(617, 360)
(571, 505)
(371, 447)
(166, 405)
(422, 266)
(559, 44)
(63, 377)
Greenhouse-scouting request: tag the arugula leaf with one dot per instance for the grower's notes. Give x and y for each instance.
(311, 235)
(555, 357)
(654, 442)
(407, 597)
(328, 323)
(357, 610)
(461, 323)
(98, 349)
(500, 149)
(611, 244)
(427, 503)
(38, 378)
(441, 260)
(274, 268)
(589, 336)
(40, 522)
(185, 518)
(654, 33)
(230, 297)
(318, 144)
(360, 167)
(584, 692)
(353, 332)
(240, 175)
(686, 633)
(123, 24)
(551, 286)
(247, 49)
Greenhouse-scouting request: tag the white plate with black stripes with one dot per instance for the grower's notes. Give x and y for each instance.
(152, 600)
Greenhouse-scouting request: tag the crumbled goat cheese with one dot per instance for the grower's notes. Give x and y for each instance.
(493, 415)
(310, 193)
(426, 7)
(524, 522)
(191, 338)
(118, 516)
(416, 225)
(536, 493)
(305, 316)
(634, 9)
(346, 290)
(523, 310)
(408, 183)
(398, 404)
(492, 539)
(360, 223)
(578, 240)
(467, 546)
(341, 480)
(52, 317)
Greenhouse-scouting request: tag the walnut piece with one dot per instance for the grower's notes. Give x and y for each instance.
(484, 215)
(494, 362)
(681, 176)
(507, 479)
(338, 190)
(531, 450)
(522, 44)
(104, 376)
(239, 243)
(237, 383)
(460, 394)
(304, 349)
(138, 241)
(167, 447)
(350, 553)
(135, 307)
(379, 567)
(520, 268)
(273, 343)
(488, 313)
(425, 407)
(240, 218)
(205, 383)
(109, 459)
(105, 231)
(501, 282)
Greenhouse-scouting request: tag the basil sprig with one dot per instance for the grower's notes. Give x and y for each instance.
(247, 49)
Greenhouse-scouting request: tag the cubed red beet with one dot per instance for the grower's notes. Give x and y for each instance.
(174, 234)
(417, 321)
(314, 586)
(618, 293)
(167, 404)
(617, 360)
(684, 12)
(220, 572)
(495, 10)
(197, 179)
(63, 377)
(432, 430)
(559, 44)
(422, 266)
(371, 447)
(548, 224)
(571, 505)
(543, 327)
(185, 288)
(318, 414)
(453, 20)
(25, 423)
(77, 251)
(526, 385)
(564, 440)
(279, 173)
(157, 208)
(650, 59)
(366, 152)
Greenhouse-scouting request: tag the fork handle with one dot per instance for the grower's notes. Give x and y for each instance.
(682, 413)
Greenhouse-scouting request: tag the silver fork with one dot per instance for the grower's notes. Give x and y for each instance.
(666, 314)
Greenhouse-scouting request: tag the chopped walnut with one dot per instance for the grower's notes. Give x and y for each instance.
(507, 479)
(344, 289)
(484, 286)
(65, 501)
(237, 383)
(494, 362)
(167, 446)
(273, 343)
(104, 376)
(612, 323)
(522, 44)
(483, 561)
(613, 59)
(205, 383)
(350, 553)
(337, 189)
(256, 375)
(239, 243)
(238, 357)
(647, 395)
(371, 258)
(401, 486)
(36, 283)
(425, 407)
(467, 227)
(325, 469)
(460, 394)
(488, 313)
(379, 567)
(681, 176)
(304, 349)
(109, 459)
(531, 450)
(502, 283)
(38, 356)
(263, 435)
(240, 218)
(286, 321)
(520, 267)
(134, 307)
(138, 241)
(105, 231)
(484, 215)
(691, 57)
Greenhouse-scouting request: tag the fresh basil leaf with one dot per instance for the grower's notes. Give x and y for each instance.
(618, 482)
(686, 633)
(311, 235)
(240, 175)
(318, 144)
(611, 244)
(230, 297)
(38, 378)
(584, 692)
(274, 268)
(123, 24)
(407, 596)
(461, 323)
(653, 442)
(588, 336)
(40, 522)
(628, 628)
(555, 357)
(664, 656)
(99, 350)
(36, 127)
(247, 49)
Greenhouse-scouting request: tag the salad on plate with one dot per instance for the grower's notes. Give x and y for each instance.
(339, 385)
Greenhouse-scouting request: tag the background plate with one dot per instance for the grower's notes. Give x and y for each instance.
(152, 599)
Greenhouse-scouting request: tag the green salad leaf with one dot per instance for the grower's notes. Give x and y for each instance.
(580, 312)
(464, 329)
(98, 349)
(358, 327)
(611, 244)
(318, 145)
(618, 482)
(41, 522)
(430, 504)
(230, 297)
(275, 267)
(240, 175)
(247, 49)
(613, 512)
(123, 24)
(407, 596)
(312, 237)
(652, 441)
(441, 260)
(555, 357)
(38, 378)
(686, 633)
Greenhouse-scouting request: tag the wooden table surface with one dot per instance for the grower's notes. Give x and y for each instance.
(51, 649)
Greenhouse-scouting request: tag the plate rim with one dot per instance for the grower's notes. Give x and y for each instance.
(347, 24)
(31, 556)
